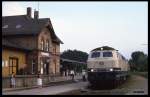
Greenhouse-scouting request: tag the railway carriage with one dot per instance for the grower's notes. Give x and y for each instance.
(106, 66)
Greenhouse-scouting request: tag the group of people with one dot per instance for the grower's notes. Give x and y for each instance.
(72, 74)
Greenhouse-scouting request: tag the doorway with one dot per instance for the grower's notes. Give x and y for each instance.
(13, 65)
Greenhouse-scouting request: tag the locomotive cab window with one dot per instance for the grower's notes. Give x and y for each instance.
(95, 54)
(107, 54)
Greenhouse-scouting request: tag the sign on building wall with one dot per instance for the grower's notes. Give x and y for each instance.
(45, 54)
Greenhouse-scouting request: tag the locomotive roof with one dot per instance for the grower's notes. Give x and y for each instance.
(104, 48)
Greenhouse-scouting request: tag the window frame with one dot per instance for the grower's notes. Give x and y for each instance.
(104, 53)
(47, 45)
(12, 65)
(42, 44)
(98, 54)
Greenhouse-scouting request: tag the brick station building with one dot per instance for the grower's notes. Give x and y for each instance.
(29, 45)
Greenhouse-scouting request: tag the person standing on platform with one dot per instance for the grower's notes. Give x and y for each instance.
(39, 80)
(83, 75)
(13, 80)
(72, 74)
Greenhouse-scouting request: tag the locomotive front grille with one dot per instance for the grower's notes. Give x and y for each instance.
(98, 70)
(101, 75)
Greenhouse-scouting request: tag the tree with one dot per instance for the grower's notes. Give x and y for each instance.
(76, 55)
(138, 61)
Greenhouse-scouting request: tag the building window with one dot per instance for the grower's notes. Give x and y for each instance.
(44, 65)
(13, 65)
(45, 68)
(41, 69)
(42, 44)
(47, 45)
(54, 60)
(33, 66)
(55, 50)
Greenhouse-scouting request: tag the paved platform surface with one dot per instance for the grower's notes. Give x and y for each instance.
(52, 90)
(57, 80)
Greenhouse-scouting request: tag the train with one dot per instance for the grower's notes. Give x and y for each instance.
(107, 67)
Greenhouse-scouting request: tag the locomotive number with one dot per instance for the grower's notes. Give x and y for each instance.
(101, 63)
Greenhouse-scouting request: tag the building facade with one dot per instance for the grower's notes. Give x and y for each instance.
(11, 60)
(39, 47)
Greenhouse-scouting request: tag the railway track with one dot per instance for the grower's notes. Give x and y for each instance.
(135, 85)
(96, 90)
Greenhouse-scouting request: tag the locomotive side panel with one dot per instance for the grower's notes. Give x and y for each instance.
(123, 63)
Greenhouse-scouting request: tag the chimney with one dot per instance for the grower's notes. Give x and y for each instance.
(29, 12)
(36, 14)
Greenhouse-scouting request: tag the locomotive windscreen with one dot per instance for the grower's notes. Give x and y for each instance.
(95, 54)
(107, 54)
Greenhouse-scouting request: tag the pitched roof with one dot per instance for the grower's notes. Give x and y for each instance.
(72, 61)
(26, 26)
(7, 43)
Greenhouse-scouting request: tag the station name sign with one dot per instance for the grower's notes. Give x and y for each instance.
(45, 54)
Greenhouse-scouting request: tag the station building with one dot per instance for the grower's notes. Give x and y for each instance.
(29, 45)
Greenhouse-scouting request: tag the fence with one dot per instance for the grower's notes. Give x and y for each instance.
(31, 80)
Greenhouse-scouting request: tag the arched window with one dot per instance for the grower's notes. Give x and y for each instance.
(42, 44)
(47, 45)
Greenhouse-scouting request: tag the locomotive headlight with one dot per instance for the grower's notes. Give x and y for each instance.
(92, 70)
(111, 69)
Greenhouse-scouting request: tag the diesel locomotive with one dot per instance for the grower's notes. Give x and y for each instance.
(106, 66)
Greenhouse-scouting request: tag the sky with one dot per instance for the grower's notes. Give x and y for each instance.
(88, 25)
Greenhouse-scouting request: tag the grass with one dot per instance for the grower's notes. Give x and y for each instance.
(143, 74)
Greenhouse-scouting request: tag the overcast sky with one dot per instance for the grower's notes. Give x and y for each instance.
(88, 25)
